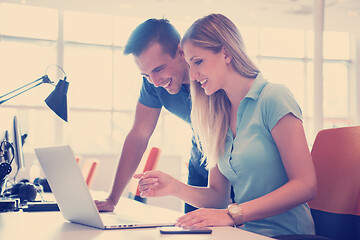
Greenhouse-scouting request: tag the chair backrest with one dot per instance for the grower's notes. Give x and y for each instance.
(336, 208)
(148, 162)
(88, 169)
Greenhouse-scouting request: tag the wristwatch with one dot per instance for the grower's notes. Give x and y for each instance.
(235, 211)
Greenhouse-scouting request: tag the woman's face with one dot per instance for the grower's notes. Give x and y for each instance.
(206, 67)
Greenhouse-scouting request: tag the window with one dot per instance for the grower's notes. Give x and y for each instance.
(105, 84)
(127, 82)
(23, 61)
(31, 22)
(90, 132)
(282, 42)
(27, 48)
(288, 73)
(286, 58)
(335, 90)
(123, 27)
(90, 73)
(250, 37)
(88, 28)
(336, 45)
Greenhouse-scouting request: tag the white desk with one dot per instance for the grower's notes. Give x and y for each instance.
(52, 226)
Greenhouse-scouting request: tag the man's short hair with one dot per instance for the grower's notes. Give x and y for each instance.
(151, 31)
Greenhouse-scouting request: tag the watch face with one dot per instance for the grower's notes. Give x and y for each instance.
(234, 209)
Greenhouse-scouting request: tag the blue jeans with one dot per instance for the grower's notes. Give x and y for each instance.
(197, 177)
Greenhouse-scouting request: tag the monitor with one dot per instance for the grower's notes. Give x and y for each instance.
(9, 151)
(18, 144)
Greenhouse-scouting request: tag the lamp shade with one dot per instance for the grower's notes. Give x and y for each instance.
(57, 100)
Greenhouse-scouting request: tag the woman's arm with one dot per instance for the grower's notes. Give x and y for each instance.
(290, 139)
(156, 183)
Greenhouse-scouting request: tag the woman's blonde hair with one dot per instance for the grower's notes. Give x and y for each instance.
(210, 115)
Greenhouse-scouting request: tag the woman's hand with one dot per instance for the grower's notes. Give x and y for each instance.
(205, 217)
(156, 184)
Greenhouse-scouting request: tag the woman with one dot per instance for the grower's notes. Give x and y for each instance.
(252, 135)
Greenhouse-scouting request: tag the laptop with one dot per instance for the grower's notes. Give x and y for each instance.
(73, 196)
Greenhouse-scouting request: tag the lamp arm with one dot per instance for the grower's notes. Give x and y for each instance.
(43, 79)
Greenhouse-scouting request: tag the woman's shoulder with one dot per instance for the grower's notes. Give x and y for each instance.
(276, 101)
(273, 91)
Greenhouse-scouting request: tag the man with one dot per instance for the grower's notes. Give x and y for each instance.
(155, 45)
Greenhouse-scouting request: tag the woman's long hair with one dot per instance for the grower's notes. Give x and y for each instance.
(210, 115)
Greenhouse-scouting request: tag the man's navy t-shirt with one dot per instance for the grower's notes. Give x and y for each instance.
(179, 104)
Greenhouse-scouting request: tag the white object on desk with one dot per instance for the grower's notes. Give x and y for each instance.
(73, 196)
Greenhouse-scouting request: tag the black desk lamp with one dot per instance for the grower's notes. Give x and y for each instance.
(56, 101)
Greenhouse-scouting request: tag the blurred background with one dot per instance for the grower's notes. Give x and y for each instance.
(86, 38)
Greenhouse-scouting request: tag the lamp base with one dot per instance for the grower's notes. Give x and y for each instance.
(9, 204)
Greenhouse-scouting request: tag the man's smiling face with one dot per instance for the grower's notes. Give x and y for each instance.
(161, 69)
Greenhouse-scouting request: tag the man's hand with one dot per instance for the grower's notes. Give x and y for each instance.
(105, 205)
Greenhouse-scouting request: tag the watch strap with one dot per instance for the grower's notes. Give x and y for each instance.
(238, 217)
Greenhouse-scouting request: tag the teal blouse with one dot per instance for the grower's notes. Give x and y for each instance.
(252, 162)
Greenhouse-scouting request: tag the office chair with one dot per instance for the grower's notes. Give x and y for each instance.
(336, 208)
(148, 162)
(88, 169)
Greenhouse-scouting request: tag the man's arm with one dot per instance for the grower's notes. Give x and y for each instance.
(134, 147)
